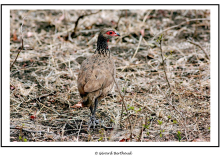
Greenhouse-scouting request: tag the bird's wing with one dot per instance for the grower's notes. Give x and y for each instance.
(99, 79)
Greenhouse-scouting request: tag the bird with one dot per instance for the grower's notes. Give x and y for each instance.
(96, 74)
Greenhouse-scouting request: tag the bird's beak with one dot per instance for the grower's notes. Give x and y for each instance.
(117, 34)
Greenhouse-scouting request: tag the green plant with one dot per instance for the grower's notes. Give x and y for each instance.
(138, 110)
(174, 122)
(146, 126)
(101, 131)
(159, 122)
(100, 139)
(179, 135)
(22, 139)
(161, 131)
(130, 107)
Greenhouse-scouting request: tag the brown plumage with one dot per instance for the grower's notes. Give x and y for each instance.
(95, 79)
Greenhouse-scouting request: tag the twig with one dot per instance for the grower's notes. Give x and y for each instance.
(63, 130)
(20, 48)
(31, 131)
(184, 118)
(164, 69)
(130, 65)
(178, 26)
(89, 30)
(170, 102)
(122, 110)
(196, 27)
(35, 35)
(140, 39)
(119, 20)
(47, 107)
(77, 21)
(144, 106)
(123, 102)
(141, 131)
(137, 46)
(38, 98)
(198, 45)
(146, 16)
(79, 131)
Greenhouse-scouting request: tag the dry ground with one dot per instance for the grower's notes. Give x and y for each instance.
(43, 90)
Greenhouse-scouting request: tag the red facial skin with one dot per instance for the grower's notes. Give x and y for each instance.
(112, 33)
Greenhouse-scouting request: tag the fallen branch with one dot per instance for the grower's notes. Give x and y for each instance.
(43, 96)
(31, 131)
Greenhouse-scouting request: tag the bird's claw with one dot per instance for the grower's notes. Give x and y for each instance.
(92, 122)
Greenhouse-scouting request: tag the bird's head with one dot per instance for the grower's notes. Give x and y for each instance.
(108, 33)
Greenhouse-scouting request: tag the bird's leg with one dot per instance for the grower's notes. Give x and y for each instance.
(96, 104)
(93, 120)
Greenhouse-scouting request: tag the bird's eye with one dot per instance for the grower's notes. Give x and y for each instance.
(110, 32)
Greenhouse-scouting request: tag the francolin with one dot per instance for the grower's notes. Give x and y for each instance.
(97, 73)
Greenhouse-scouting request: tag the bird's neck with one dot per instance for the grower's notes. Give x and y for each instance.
(102, 46)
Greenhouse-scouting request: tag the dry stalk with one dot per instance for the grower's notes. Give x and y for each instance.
(179, 25)
(42, 96)
(130, 65)
(63, 131)
(164, 69)
(137, 46)
(196, 26)
(20, 48)
(79, 131)
(170, 103)
(47, 107)
(123, 104)
(198, 45)
(146, 16)
(140, 39)
(122, 110)
(141, 131)
(77, 21)
(118, 20)
(31, 131)
(144, 106)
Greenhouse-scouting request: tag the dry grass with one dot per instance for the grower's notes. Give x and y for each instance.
(43, 88)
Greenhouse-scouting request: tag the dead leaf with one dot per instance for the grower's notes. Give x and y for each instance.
(78, 105)
(15, 38)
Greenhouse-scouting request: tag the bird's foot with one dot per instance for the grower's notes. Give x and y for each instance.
(93, 122)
